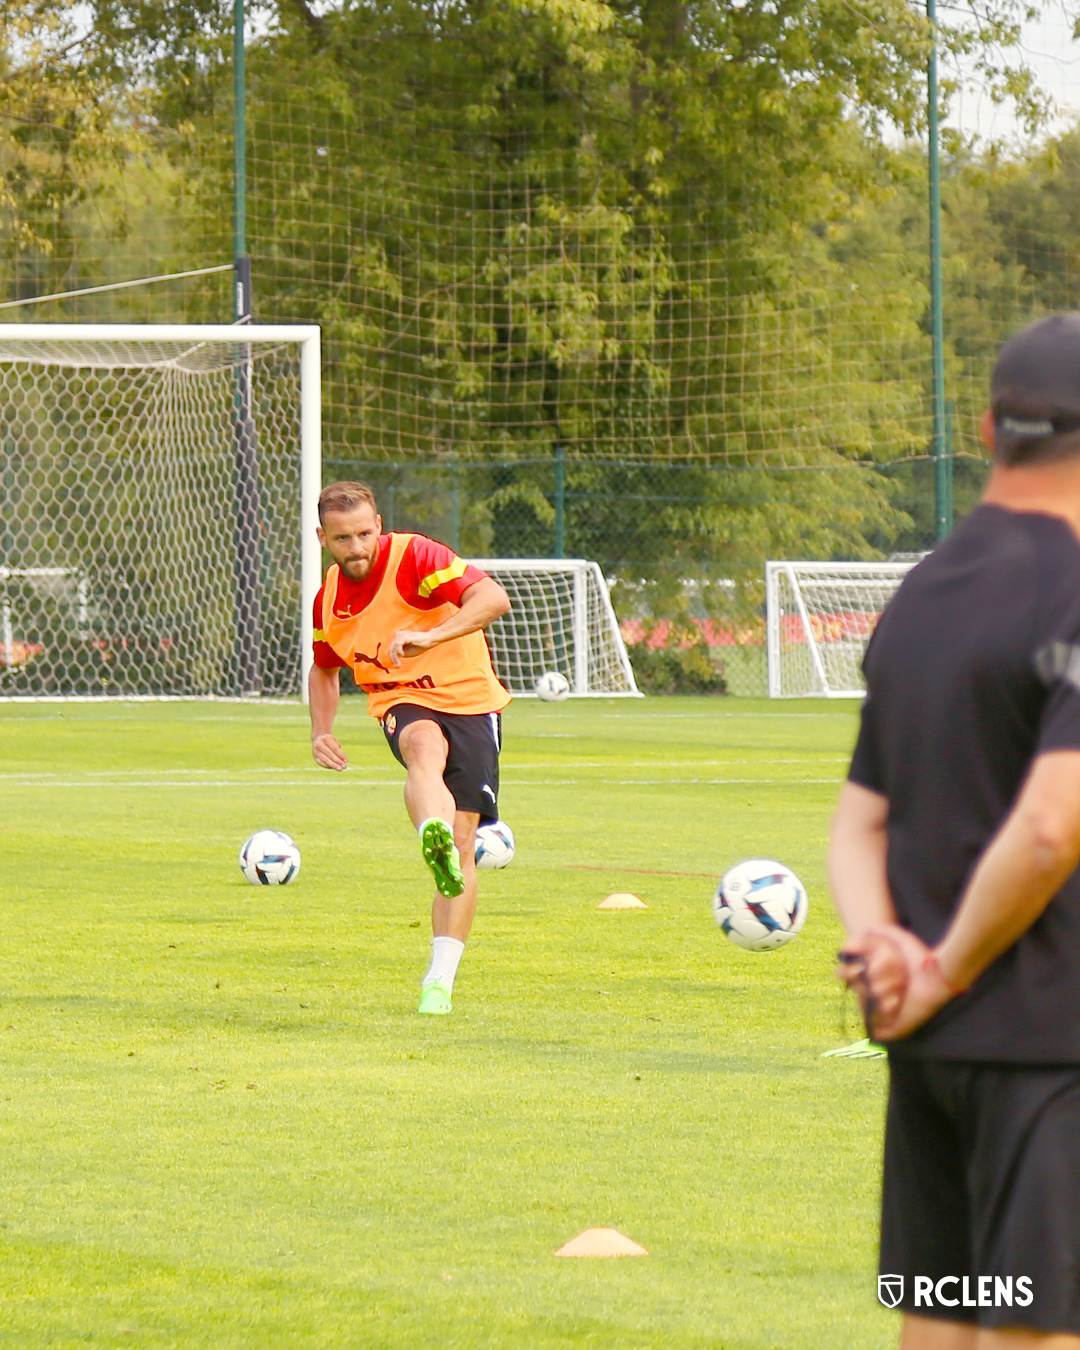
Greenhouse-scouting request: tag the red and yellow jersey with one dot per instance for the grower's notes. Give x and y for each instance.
(415, 583)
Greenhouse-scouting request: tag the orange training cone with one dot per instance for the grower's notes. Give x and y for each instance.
(622, 900)
(601, 1242)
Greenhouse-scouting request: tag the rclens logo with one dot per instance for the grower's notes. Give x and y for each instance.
(958, 1291)
(890, 1290)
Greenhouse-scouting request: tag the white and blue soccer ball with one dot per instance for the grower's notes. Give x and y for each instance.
(760, 904)
(269, 858)
(494, 845)
(552, 687)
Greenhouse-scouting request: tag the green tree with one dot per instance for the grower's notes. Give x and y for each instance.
(639, 235)
(64, 132)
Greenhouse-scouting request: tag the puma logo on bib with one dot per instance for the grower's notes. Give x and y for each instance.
(372, 660)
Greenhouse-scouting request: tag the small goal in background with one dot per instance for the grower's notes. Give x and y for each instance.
(819, 618)
(562, 620)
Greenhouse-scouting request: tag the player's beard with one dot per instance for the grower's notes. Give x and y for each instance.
(356, 569)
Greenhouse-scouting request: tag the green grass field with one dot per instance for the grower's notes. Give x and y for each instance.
(224, 1125)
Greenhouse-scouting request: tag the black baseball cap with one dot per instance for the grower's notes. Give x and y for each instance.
(1035, 390)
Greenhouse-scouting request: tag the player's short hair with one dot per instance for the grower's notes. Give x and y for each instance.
(345, 497)
(1035, 393)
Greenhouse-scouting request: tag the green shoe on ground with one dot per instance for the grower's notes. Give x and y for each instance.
(441, 855)
(864, 1049)
(435, 1000)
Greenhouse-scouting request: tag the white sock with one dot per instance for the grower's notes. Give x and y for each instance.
(446, 955)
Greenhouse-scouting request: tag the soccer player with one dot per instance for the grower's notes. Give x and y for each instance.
(954, 869)
(407, 615)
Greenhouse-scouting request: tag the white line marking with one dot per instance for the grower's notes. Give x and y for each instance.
(188, 773)
(342, 782)
(745, 712)
(679, 782)
(660, 759)
(202, 783)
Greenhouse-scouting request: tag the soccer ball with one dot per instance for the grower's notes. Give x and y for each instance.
(552, 687)
(269, 858)
(760, 904)
(494, 845)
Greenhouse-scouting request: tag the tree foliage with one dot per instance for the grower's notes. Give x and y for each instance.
(665, 239)
(66, 129)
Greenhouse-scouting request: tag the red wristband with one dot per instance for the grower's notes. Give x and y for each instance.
(930, 962)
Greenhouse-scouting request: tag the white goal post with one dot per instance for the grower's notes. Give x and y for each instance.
(158, 506)
(562, 620)
(819, 618)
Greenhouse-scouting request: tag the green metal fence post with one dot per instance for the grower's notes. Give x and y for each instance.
(241, 261)
(950, 417)
(247, 536)
(941, 454)
(455, 507)
(560, 502)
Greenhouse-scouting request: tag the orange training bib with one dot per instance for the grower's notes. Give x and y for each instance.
(454, 677)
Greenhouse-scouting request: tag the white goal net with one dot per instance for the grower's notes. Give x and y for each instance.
(562, 620)
(158, 490)
(819, 619)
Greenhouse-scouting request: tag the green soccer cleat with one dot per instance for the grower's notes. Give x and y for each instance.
(435, 1000)
(864, 1049)
(441, 855)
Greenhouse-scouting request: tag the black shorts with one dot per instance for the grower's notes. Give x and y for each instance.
(472, 760)
(981, 1193)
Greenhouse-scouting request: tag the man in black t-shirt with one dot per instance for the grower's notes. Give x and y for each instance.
(953, 865)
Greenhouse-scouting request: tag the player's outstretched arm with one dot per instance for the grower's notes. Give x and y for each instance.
(1027, 862)
(481, 604)
(324, 693)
